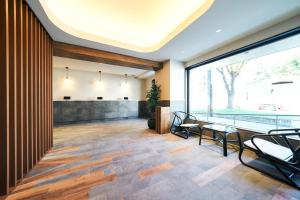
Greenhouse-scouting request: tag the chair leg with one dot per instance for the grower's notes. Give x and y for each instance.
(240, 156)
(187, 133)
(244, 163)
(239, 140)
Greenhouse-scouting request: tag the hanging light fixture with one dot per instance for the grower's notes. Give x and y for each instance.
(100, 76)
(67, 73)
(126, 77)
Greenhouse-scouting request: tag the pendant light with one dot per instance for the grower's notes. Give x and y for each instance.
(67, 73)
(100, 76)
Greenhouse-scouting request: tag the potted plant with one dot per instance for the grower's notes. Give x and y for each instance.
(153, 96)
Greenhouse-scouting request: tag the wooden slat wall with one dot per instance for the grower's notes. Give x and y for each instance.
(25, 92)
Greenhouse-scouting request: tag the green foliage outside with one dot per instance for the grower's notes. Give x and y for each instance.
(291, 68)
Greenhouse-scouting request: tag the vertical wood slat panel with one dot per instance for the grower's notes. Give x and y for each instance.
(30, 90)
(41, 90)
(19, 88)
(47, 92)
(4, 98)
(38, 51)
(25, 89)
(12, 93)
(34, 69)
(45, 96)
(51, 91)
(25, 92)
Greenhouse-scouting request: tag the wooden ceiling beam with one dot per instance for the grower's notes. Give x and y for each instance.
(94, 55)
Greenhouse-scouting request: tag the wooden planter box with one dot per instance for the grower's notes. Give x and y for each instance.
(162, 120)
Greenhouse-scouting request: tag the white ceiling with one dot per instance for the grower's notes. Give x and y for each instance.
(236, 19)
(142, 26)
(81, 65)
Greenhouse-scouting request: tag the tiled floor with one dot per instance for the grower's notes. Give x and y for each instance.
(124, 160)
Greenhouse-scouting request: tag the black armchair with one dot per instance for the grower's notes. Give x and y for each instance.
(182, 123)
(278, 154)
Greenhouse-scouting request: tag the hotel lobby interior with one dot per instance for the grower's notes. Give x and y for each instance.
(150, 99)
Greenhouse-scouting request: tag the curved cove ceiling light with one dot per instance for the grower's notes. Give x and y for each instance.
(138, 25)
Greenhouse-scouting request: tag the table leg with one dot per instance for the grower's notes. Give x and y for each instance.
(214, 135)
(225, 145)
(239, 140)
(200, 138)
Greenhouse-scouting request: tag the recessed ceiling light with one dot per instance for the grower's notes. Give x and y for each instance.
(182, 52)
(218, 31)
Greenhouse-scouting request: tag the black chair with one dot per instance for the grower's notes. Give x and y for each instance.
(183, 123)
(278, 154)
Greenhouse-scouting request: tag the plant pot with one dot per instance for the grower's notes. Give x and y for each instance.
(151, 123)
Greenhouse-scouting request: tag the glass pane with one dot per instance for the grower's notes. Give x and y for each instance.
(257, 89)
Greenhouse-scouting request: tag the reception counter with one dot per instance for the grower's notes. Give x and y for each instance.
(66, 112)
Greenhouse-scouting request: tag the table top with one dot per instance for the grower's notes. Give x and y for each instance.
(220, 128)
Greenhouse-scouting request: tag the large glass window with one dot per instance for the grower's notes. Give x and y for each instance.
(258, 89)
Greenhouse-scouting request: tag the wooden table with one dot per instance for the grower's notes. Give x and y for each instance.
(220, 133)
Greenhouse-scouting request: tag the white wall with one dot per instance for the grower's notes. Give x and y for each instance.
(177, 81)
(83, 85)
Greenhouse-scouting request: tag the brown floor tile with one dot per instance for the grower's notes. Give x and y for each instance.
(154, 170)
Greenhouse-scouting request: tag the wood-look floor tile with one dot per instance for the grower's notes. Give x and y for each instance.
(62, 160)
(67, 187)
(154, 170)
(34, 180)
(180, 150)
(116, 154)
(171, 137)
(64, 149)
(214, 173)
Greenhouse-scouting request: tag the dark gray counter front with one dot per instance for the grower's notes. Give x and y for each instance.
(66, 112)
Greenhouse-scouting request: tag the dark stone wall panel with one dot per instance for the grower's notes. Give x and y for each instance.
(66, 112)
